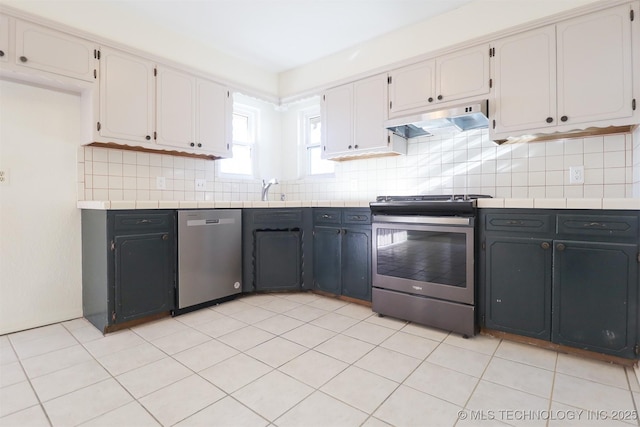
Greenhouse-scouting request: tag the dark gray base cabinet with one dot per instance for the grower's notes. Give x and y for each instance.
(128, 265)
(342, 252)
(570, 277)
(276, 245)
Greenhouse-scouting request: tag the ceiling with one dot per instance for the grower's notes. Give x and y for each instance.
(275, 35)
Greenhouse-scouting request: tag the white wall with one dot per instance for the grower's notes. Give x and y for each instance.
(476, 19)
(40, 249)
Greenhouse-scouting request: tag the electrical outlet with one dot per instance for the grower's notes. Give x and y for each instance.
(201, 184)
(161, 183)
(576, 175)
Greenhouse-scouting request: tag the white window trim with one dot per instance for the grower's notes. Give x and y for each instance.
(253, 115)
(303, 126)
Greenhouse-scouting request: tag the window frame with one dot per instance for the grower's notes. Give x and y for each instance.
(304, 120)
(253, 116)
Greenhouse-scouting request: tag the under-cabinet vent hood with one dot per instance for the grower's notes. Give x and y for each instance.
(453, 119)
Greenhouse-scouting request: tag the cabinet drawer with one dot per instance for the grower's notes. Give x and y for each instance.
(142, 221)
(356, 216)
(526, 223)
(279, 217)
(326, 216)
(599, 225)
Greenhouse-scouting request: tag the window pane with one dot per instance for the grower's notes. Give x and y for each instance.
(316, 164)
(240, 128)
(240, 163)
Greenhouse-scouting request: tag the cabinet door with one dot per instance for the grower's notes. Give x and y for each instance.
(337, 121)
(356, 263)
(518, 286)
(327, 259)
(370, 112)
(4, 38)
(278, 260)
(595, 296)
(48, 50)
(143, 275)
(411, 87)
(214, 118)
(462, 74)
(127, 97)
(594, 67)
(175, 108)
(525, 81)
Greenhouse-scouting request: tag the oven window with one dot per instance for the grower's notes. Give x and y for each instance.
(424, 256)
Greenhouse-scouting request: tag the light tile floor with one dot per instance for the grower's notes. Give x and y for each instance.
(298, 360)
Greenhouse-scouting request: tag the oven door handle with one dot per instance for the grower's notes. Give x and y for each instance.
(419, 219)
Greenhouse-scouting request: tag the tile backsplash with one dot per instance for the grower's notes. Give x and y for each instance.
(462, 163)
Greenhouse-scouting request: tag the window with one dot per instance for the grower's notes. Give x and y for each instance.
(312, 129)
(244, 136)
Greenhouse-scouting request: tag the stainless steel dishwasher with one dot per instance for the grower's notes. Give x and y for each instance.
(209, 256)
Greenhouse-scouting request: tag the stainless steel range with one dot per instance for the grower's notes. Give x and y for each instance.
(423, 260)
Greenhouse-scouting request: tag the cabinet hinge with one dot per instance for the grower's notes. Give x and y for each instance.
(484, 245)
(636, 350)
(492, 52)
(632, 15)
(155, 72)
(98, 54)
(389, 80)
(633, 105)
(390, 105)
(95, 74)
(113, 316)
(113, 245)
(98, 126)
(388, 139)
(490, 83)
(324, 97)
(638, 258)
(494, 124)
(155, 135)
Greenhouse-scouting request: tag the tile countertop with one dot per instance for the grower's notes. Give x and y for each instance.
(627, 204)
(163, 204)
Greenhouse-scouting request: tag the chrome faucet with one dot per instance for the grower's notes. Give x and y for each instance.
(265, 188)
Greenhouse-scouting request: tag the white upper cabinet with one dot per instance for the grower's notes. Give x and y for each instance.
(353, 117)
(193, 114)
(55, 52)
(176, 103)
(462, 74)
(214, 118)
(4, 38)
(569, 76)
(458, 75)
(127, 97)
(594, 67)
(525, 81)
(337, 121)
(411, 87)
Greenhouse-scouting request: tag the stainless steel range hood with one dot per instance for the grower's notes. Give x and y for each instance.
(453, 119)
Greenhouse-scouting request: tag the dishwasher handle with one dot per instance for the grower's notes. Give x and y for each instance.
(205, 222)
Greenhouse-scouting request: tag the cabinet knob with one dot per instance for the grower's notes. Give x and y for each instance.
(439, 97)
(148, 137)
(545, 245)
(1, 53)
(23, 59)
(564, 118)
(350, 147)
(561, 247)
(192, 144)
(339, 231)
(165, 237)
(355, 146)
(549, 119)
(199, 144)
(430, 99)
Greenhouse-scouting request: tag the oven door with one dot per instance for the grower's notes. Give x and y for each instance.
(426, 256)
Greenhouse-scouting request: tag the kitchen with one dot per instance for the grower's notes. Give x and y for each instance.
(533, 167)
